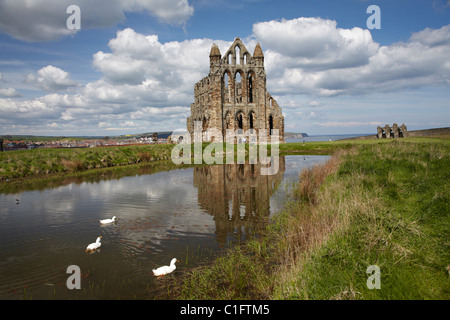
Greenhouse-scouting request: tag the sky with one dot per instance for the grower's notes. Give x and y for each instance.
(132, 65)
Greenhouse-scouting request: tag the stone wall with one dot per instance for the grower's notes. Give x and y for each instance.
(234, 96)
(392, 132)
(414, 133)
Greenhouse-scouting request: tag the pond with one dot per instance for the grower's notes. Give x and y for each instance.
(193, 214)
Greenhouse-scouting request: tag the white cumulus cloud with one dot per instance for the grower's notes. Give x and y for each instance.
(51, 78)
(45, 20)
(9, 92)
(315, 43)
(313, 56)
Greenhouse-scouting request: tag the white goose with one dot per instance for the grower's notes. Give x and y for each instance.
(94, 246)
(106, 221)
(161, 271)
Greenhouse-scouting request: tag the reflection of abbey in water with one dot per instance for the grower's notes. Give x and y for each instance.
(237, 196)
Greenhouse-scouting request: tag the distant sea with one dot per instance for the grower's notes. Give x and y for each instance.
(332, 137)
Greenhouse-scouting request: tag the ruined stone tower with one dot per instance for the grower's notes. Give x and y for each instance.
(234, 95)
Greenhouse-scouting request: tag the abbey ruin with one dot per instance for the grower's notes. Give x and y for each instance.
(234, 96)
(392, 132)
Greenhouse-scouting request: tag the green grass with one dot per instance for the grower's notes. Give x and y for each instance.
(328, 147)
(400, 223)
(38, 162)
(384, 204)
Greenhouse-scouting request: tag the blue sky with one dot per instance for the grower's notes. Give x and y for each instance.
(132, 66)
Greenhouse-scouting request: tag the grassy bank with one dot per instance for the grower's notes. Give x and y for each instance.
(384, 204)
(38, 162)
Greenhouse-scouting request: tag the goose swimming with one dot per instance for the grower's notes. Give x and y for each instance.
(94, 246)
(106, 221)
(162, 271)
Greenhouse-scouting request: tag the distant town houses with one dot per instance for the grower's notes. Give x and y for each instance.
(11, 145)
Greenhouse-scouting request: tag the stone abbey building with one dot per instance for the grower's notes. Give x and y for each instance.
(234, 95)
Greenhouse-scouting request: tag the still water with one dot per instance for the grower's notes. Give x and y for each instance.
(192, 214)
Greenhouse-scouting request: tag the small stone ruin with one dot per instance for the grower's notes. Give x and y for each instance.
(392, 132)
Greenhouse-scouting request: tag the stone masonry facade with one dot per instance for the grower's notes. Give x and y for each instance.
(392, 132)
(234, 95)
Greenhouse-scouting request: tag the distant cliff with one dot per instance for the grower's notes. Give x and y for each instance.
(293, 135)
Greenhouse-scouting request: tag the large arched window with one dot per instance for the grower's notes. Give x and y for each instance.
(226, 87)
(237, 51)
(270, 124)
(204, 124)
(238, 86)
(240, 120)
(250, 87)
(251, 120)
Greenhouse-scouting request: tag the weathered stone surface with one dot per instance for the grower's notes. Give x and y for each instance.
(395, 130)
(234, 95)
(392, 132)
(387, 131)
(379, 132)
(403, 131)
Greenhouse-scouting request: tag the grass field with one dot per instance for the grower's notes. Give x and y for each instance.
(38, 162)
(388, 206)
